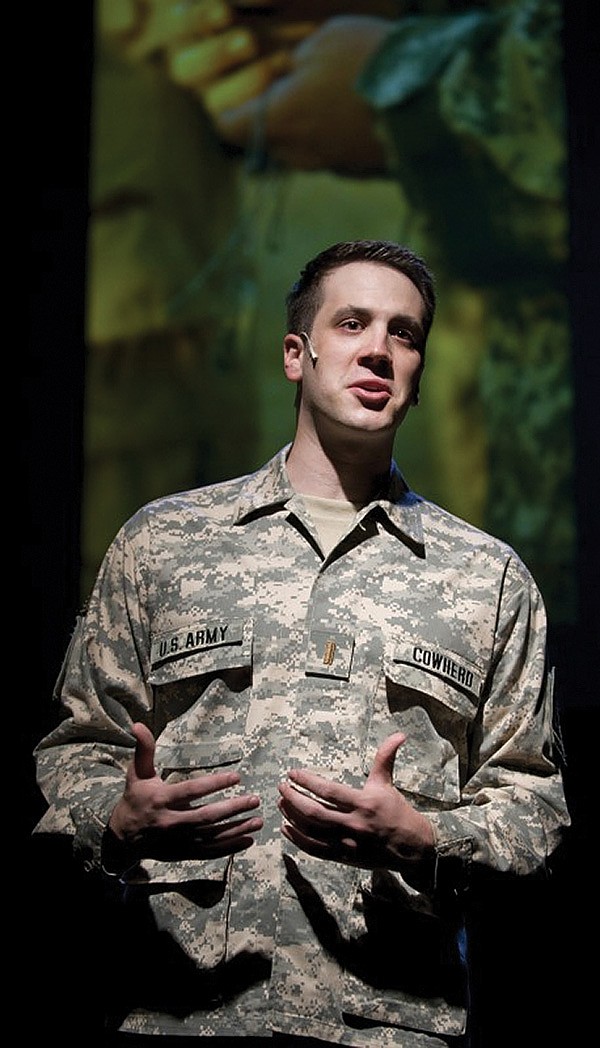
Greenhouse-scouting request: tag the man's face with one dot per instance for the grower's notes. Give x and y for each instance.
(366, 335)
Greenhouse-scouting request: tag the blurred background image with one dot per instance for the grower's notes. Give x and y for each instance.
(231, 142)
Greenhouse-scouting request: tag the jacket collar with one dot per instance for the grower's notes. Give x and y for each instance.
(269, 489)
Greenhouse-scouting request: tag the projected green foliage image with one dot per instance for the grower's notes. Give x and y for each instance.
(232, 142)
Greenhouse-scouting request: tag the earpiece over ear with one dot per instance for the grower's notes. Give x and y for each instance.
(310, 349)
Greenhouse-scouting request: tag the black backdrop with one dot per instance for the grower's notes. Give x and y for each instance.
(549, 979)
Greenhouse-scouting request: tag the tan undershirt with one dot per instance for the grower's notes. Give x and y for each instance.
(331, 517)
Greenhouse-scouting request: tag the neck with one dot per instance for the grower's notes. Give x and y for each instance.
(350, 471)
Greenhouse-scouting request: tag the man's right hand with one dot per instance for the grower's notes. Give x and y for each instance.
(156, 819)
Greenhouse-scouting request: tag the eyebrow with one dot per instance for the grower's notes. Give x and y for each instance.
(361, 313)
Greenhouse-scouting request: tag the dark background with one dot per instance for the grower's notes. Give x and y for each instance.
(538, 950)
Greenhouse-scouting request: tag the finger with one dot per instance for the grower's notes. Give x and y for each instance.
(210, 814)
(197, 65)
(271, 35)
(226, 832)
(383, 764)
(291, 34)
(220, 850)
(170, 23)
(230, 832)
(311, 816)
(143, 761)
(178, 846)
(332, 850)
(333, 795)
(304, 841)
(245, 84)
(182, 794)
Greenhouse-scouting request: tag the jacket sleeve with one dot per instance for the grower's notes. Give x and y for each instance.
(101, 691)
(513, 811)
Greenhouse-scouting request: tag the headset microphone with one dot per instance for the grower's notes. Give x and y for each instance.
(310, 349)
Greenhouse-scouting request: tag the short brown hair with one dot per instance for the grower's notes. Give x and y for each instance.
(304, 298)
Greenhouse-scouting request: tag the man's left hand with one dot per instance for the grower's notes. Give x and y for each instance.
(370, 827)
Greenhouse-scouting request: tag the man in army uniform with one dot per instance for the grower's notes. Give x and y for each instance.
(305, 709)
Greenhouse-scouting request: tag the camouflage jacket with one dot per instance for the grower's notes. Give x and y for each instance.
(218, 622)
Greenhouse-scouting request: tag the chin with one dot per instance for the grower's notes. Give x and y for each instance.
(375, 426)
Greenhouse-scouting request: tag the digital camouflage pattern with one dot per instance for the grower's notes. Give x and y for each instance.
(217, 622)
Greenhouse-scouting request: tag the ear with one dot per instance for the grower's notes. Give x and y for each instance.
(293, 357)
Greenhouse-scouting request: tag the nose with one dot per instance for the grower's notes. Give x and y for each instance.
(377, 352)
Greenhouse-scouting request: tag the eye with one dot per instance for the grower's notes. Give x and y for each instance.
(404, 335)
(351, 324)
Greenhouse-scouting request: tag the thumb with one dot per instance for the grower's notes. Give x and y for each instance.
(145, 746)
(383, 764)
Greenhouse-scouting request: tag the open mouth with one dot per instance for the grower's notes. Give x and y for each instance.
(373, 394)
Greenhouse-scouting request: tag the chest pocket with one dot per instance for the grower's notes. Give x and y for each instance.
(431, 695)
(202, 681)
